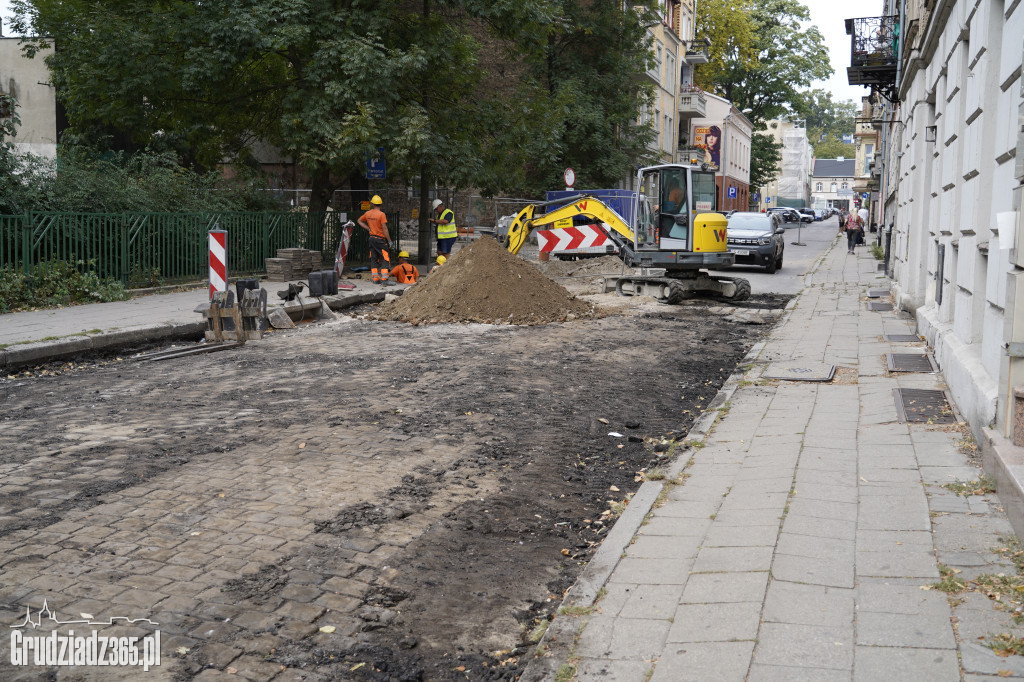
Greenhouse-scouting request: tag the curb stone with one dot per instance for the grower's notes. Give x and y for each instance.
(38, 352)
(556, 646)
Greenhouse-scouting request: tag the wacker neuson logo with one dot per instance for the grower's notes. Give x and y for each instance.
(81, 646)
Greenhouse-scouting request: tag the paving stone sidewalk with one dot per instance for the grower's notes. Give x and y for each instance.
(38, 336)
(807, 529)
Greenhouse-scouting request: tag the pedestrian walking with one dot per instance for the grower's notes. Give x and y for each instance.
(447, 232)
(405, 272)
(376, 223)
(853, 231)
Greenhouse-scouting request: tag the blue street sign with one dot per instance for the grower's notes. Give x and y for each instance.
(848, 139)
(767, 200)
(865, 195)
(732, 192)
(375, 167)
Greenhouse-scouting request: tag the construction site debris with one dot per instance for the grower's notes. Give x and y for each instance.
(585, 267)
(292, 264)
(279, 319)
(485, 283)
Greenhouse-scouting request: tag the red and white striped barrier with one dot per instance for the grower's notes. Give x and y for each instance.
(581, 239)
(218, 261)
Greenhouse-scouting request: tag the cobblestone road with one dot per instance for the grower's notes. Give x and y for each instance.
(210, 494)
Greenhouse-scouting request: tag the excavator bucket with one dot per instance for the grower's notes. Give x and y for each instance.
(519, 230)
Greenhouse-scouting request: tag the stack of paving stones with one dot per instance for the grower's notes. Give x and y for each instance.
(292, 264)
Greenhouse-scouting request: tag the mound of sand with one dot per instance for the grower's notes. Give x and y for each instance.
(485, 283)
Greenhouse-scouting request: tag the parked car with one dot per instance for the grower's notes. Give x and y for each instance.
(756, 239)
(819, 214)
(788, 215)
(806, 214)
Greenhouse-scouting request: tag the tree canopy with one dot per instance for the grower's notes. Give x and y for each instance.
(494, 94)
(765, 56)
(765, 155)
(827, 122)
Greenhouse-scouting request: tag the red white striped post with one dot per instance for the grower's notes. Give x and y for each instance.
(218, 261)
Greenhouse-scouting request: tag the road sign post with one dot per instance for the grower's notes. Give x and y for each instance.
(799, 228)
(376, 169)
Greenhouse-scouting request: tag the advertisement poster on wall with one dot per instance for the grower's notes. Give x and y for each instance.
(709, 138)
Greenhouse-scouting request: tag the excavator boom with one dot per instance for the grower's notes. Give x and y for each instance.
(590, 207)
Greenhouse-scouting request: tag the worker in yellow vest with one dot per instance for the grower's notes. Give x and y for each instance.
(446, 229)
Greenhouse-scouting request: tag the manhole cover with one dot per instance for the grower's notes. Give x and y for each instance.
(874, 305)
(798, 370)
(910, 362)
(878, 293)
(922, 406)
(903, 338)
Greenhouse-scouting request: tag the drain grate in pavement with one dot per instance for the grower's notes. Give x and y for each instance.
(903, 338)
(910, 362)
(800, 370)
(873, 305)
(923, 406)
(878, 293)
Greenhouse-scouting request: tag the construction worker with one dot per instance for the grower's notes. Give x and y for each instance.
(376, 223)
(447, 232)
(405, 272)
(438, 263)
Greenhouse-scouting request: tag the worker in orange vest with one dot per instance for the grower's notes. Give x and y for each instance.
(405, 272)
(376, 223)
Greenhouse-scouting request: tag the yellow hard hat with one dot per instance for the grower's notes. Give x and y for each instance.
(376, 200)
(403, 254)
(441, 260)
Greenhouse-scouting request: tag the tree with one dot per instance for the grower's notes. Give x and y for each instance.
(827, 122)
(331, 81)
(765, 155)
(9, 181)
(764, 66)
(582, 69)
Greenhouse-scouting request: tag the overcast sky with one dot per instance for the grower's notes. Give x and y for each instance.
(828, 15)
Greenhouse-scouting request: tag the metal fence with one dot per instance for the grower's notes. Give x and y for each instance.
(144, 249)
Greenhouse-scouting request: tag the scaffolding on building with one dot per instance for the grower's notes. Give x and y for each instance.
(796, 164)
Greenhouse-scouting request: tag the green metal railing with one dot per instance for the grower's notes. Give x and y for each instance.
(148, 248)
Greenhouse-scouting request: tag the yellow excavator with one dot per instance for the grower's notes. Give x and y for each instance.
(668, 229)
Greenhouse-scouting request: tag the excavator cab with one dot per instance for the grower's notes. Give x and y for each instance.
(668, 195)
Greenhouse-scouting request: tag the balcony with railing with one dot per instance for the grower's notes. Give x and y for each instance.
(874, 52)
(697, 52)
(692, 102)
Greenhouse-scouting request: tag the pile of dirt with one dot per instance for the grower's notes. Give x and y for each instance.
(485, 283)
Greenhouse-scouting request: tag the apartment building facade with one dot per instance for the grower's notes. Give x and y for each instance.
(951, 122)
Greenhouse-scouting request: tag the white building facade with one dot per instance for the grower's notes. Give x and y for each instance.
(951, 173)
(733, 155)
(28, 81)
(832, 183)
(791, 185)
